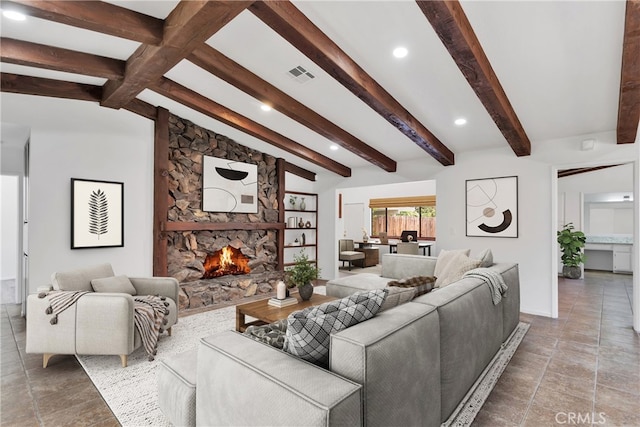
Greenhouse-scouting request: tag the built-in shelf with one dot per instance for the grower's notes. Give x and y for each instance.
(308, 214)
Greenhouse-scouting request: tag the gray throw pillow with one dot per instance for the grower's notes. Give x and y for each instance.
(114, 284)
(486, 258)
(397, 296)
(272, 334)
(309, 330)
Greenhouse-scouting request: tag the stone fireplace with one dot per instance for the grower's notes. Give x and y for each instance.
(199, 243)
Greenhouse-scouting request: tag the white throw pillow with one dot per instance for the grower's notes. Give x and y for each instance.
(445, 257)
(115, 284)
(460, 264)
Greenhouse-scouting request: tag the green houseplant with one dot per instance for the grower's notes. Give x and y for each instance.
(301, 274)
(571, 244)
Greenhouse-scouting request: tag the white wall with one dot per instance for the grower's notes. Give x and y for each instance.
(535, 250)
(9, 221)
(71, 139)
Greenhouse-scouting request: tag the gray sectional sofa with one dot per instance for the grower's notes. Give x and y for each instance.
(409, 365)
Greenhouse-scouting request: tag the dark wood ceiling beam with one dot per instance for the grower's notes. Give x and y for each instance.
(576, 171)
(55, 58)
(299, 31)
(96, 16)
(454, 30)
(233, 73)
(188, 26)
(629, 101)
(142, 108)
(297, 170)
(27, 85)
(191, 99)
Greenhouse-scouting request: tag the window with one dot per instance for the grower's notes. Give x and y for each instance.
(404, 213)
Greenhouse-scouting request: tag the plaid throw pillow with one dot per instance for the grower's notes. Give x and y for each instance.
(308, 330)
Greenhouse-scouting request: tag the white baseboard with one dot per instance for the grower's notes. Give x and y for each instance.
(537, 313)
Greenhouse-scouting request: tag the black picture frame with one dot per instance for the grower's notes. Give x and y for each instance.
(491, 207)
(97, 214)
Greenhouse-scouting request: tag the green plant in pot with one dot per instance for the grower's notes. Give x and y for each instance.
(301, 274)
(571, 244)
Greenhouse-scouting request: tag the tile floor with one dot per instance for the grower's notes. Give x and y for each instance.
(580, 369)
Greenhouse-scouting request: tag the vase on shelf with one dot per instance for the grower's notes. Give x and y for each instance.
(301, 223)
(292, 201)
(303, 206)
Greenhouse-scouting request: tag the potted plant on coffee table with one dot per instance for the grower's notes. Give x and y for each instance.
(571, 244)
(301, 274)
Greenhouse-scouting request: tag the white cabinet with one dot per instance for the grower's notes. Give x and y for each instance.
(622, 262)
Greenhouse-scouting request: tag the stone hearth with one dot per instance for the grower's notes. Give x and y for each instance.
(188, 250)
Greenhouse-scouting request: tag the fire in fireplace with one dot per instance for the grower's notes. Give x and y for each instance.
(227, 260)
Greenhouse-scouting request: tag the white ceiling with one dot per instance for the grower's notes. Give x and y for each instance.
(558, 61)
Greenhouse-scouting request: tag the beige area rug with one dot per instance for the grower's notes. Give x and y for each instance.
(132, 394)
(376, 269)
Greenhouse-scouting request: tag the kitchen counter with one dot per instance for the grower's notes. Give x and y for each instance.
(609, 253)
(618, 239)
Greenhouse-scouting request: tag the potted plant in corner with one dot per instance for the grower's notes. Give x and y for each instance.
(301, 274)
(571, 244)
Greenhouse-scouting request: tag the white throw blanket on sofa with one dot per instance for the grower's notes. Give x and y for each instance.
(496, 283)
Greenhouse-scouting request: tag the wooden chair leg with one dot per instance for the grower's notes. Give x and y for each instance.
(123, 359)
(169, 331)
(45, 359)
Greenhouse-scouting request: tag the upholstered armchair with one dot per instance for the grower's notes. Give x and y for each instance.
(347, 252)
(100, 321)
(410, 248)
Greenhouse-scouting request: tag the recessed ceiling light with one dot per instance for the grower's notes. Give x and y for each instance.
(12, 14)
(333, 147)
(460, 122)
(400, 52)
(265, 107)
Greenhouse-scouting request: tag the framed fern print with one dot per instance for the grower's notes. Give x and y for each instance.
(97, 214)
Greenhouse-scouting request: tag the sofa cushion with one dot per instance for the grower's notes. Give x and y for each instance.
(486, 258)
(421, 284)
(455, 269)
(445, 257)
(309, 330)
(80, 279)
(115, 284)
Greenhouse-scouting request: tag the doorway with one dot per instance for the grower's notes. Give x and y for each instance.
(9, 252)
(635, 236)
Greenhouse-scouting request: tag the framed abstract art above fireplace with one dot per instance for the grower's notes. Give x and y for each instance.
(97, 214)
(229, 186)
(492, 207)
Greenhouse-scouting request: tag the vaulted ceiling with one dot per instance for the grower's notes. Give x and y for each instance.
(519, 72)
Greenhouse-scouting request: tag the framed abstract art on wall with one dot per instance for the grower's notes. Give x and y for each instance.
(492, 207)
(229, 186)
(97, 214)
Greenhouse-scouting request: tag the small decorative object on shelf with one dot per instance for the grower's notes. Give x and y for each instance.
(304, 239)
(303, 206)
(292, 201)
(301, 223)
(365, 236)
(308, 224)
(291, 222)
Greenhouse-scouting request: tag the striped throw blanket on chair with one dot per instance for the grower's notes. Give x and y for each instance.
(149, 314)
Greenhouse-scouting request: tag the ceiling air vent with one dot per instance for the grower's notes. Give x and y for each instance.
(300, 75)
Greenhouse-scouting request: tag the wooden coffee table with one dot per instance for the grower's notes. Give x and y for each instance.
(265, 313)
